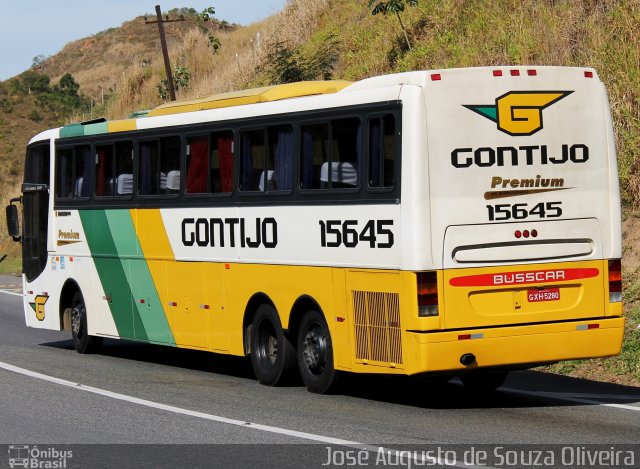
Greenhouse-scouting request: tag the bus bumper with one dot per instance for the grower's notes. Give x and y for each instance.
(514, 346)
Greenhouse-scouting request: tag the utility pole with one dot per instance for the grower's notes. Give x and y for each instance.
(165, 51)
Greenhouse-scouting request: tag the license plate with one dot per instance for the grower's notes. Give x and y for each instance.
(547, 294)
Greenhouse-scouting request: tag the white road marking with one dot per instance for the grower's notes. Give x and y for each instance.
(417, 457)
(570, 398)
(8, 292)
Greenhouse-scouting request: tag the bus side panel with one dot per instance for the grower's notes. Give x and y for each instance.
(283, 285)
(377, 318)
(70, 261)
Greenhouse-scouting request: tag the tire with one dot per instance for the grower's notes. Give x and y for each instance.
(272, 354)
(315, 354)
(82, 341)
(483, 382)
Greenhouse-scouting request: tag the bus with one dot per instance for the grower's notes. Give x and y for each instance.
(457, 222)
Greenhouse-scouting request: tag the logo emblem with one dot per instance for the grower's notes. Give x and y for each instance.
(38, 306)
(519, 112)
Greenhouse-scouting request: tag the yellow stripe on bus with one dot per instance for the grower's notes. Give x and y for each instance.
(179, 284)
(122, 125)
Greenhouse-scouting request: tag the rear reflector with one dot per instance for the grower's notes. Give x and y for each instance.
(427, 294)
(470, 336)
(615, 281)
(435, 77)
(588, 74)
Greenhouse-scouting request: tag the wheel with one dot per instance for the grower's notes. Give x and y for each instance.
(82, 341)
(272, 354)
(315, 354)
(484, 381)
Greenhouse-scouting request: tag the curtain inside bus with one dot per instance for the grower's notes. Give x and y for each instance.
(198, 171)
(284, 160)
(225, 155)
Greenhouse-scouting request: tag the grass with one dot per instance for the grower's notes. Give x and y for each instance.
(11, 265)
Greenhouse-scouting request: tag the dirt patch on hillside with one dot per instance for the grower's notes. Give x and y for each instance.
(631, 242)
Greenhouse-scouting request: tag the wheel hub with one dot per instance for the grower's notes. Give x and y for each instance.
(314, 348)
(272, 349)
(75, 322)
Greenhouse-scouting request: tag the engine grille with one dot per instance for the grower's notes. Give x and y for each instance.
(377, 327)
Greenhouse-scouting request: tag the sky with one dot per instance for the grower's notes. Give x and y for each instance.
(29, 28)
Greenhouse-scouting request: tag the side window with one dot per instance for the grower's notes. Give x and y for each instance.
(123, 181)
(210, 163)
(382, 151)
(345, 154)
(159, 166)
(197, 164)
(104, 170)
(252, 164)
(330, 155)
(73, 172)
(64, 173)
(222, 162)
(36, 168)
(279, 164)
(170, 165)
(82, 181)
(114, 169)
(315, 153)
(266, 160)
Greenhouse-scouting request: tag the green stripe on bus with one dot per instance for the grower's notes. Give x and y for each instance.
(110, 270)
(96, 129)
(145, 295)
(72, 130)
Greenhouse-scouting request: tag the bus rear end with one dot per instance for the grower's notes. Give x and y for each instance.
(524, 218)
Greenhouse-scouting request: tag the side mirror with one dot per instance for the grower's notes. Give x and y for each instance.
(13, 225)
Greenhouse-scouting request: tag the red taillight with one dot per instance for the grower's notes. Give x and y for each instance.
(435, 77)
(427, 293)
(497, 73)
(588, 74)
(532, 73)
(615, 281)
(515, 73)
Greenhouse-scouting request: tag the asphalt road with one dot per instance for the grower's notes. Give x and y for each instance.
(147, 406)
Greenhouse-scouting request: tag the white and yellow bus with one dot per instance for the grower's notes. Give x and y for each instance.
(462, 222)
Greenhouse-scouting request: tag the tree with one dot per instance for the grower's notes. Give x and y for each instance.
(33, 82)
(205, 22)
(393, 6)
(68, 85)
(181, 77)
(38, 60)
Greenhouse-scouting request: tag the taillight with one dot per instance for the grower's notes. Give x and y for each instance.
(427, 294)
(615, 281)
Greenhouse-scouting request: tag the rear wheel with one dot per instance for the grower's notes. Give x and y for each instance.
(315, 353)
(484, 381)
(272, 354)
(82, 341)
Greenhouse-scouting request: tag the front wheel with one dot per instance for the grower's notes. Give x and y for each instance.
(315, 353)
(272, 354)
(82, 341)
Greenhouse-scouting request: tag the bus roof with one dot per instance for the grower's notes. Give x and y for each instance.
(252, 96)
(222, 100)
